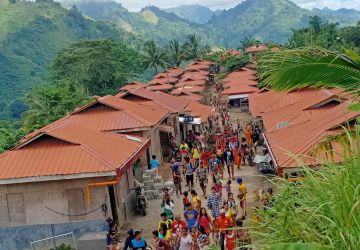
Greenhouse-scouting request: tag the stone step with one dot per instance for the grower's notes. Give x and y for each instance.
(146, 178)
(158, 186)
(148, 192)
(149, 183)
(169, 184)
(149, 197)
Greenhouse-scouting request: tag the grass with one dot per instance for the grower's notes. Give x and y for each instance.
(324, 209)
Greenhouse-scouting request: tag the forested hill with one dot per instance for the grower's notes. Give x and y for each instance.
(31, 33)
(194, 13)
(149, 23)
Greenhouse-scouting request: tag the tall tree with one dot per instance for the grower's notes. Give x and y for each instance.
(315, 22)
(101, 66)
(248, 42)
(177, 52)
(192, 46)
(49, 103)
(155, 57)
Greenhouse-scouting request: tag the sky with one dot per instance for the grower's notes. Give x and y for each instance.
(135, 5)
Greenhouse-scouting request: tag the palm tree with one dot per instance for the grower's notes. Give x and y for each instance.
(193, 47)
(311, 67)
(154, 57)
(247, 42)
(177, 52)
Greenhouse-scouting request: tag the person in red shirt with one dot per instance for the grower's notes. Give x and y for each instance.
(223, 223)
(178, 225)
(205, 157)
(230, 239)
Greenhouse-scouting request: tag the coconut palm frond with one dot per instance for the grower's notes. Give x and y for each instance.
(310, 67)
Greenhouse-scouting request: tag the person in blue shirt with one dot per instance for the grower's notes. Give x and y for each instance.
(138, 242)
(191, 215)
(154, 164)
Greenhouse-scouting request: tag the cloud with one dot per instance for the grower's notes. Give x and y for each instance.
(135, 5)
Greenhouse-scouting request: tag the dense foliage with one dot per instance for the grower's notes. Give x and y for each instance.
(323, 209)
(194, 13)
(100, 66)
(31, 35)
(234, 63)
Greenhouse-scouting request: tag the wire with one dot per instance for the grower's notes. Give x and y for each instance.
(103, 208)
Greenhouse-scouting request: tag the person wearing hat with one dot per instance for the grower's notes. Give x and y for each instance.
(223, 223)
(242, 196)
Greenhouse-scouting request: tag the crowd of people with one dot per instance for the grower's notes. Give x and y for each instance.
(202, 159)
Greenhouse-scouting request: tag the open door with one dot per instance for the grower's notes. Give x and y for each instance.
(112, 197)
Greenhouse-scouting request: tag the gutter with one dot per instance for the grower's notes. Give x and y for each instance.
(270, 151)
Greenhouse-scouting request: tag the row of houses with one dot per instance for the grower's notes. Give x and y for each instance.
(296, 122)
(238, 85)
(82, 167)
(188, 83)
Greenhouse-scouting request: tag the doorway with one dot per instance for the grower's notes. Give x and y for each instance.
(113, 205)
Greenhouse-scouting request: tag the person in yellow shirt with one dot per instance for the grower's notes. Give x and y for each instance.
(196, 155)
(195, 200)
(184, 145)
(242, 196)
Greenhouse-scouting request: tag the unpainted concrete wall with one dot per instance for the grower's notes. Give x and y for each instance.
(40, 198)
(18, 238)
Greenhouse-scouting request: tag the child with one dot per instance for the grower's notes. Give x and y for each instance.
(183, 153)
(154, 164)
(230, 239)
(177, 182)
(185, 199)
(242, 196)
(228, 187)
(194, 235)
(203, 238)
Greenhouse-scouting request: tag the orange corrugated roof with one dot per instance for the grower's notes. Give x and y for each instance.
(194, 78)
(132, 85)
(164, 79)
(159, 86)
(68, 149)
(160, 99)
(299, 111)
(200, 110)
(190, 96)
(111, 113)
(190, 83)
(257, 48)
(300, 139)
(193, 89)
(239, 89)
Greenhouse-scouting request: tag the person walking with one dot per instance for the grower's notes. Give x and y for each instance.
(185, 241)
(191, 215)
(202, 176)
(189, 173)
(114, 236)
(242, 196)
(214, 203)
(223, 223)
(138, 243)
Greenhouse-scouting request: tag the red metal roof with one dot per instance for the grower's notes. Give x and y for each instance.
(257, 48)
(193, 89)
(164, 79)
(159, 86)
(110, 113)
(132, 85)
(190, 83)
(200, 110)
(190, 96)
(240, 90)
(69, 149)
(162, 100)
(300, 139)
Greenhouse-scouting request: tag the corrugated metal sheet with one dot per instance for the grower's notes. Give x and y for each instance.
(68, 149)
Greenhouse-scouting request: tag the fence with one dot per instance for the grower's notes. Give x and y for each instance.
(55, 242)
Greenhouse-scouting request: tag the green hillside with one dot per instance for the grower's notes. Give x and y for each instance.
(31, 34)
(194, 13)
(262, 19)
(345, 17)
(149, 23)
